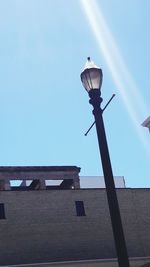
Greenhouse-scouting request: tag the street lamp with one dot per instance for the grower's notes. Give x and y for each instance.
(91, 78)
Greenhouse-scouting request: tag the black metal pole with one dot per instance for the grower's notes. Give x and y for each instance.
(95, 101)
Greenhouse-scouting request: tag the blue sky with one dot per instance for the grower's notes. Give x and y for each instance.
(44, 110)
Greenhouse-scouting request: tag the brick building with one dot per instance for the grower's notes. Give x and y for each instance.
(146, 123)
(45, 223)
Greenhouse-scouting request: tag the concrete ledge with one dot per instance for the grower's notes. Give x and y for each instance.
(134, 262)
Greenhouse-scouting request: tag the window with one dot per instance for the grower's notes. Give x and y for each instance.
(2, 211)
(80, 208)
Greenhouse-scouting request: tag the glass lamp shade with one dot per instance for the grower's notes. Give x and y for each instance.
(91, 76)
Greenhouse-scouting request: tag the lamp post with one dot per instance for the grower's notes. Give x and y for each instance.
(91, 78)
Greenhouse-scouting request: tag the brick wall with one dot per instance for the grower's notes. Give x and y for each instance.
(42, 225)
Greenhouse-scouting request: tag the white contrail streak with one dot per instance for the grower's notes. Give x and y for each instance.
(128, 90)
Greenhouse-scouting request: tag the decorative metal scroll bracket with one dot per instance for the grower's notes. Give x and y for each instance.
(102, 112)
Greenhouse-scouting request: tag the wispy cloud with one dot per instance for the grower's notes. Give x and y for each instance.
(129, 92)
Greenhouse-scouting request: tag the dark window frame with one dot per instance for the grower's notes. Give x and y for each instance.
(80, 210)
(2, 211)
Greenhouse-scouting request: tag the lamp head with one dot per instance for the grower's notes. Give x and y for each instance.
(91, 76)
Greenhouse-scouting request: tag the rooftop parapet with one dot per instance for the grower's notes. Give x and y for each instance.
(39, 177)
